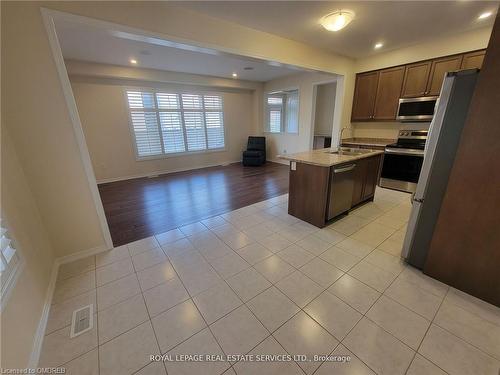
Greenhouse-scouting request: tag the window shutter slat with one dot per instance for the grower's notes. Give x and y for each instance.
(167, 101)
(212, 102)
(175, 123)
(137, 99)
(147, 135)
(275, 121)
(195, 131)
(9, 261)
(215, 129)
(173, 136)
(191, 101)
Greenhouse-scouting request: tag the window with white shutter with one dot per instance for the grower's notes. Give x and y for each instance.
(144, 119)
(175, 123)
(282, 112)
(214, 121)
(10, 263)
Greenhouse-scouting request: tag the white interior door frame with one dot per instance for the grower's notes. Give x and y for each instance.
(49, 15)
(337, 112)
(50, 27)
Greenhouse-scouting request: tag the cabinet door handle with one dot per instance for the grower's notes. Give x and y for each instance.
(345, 169)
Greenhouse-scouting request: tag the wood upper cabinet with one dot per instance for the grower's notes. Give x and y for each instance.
(415, 80)
(438, 70)
(364, 96)
(377, 93)
(388, 93)
(473, 60)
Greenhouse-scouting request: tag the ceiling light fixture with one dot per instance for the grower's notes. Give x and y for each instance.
(235, 75)
(484, 15)
(378, 45)
(133, 61)
(337, 20)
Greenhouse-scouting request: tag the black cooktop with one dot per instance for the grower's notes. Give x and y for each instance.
(414, 144)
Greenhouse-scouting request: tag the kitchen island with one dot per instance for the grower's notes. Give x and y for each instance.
(329, 182)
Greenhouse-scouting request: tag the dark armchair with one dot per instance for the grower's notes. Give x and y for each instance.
(256, 151)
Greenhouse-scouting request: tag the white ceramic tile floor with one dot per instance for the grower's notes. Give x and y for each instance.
(257, 280)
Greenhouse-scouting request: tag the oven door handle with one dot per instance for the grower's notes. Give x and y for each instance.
(404, 151)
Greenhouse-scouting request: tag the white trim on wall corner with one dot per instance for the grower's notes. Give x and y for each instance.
(82, 254)
(42, 324)
(161, 172)
(50, 28)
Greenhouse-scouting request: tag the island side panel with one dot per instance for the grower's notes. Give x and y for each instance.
(308, 192)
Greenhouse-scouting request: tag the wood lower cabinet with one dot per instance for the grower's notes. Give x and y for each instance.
(388, 91)
(318, 194)
(359, 181)
(308, 192)
(365, 177)
(438, 70)
(473, 60)
(373, 166)
(364, 96)
(415, 80)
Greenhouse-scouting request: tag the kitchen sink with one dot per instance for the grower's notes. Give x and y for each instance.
(350, 151)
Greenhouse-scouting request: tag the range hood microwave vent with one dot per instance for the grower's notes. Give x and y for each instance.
(416, 109)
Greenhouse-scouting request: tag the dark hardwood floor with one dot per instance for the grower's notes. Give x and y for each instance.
(142, 207)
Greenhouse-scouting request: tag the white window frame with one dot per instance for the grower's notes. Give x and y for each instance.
(283, 108)
(164, 155)
(15, 270)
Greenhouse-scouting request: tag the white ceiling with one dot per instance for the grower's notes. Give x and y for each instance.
(88, 43)
(397, 24)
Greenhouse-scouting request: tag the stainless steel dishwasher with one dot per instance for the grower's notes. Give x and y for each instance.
(341, 188)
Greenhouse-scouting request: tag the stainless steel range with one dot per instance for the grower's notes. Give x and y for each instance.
(403, 161)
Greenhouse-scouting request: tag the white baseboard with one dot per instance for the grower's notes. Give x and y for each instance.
(42, 325)
(162, 172)
(82, 254)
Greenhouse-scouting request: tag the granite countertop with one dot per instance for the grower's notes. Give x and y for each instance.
(368, 141)
(324, 158)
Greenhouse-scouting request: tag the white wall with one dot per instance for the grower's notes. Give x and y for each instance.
(325, 108)
(36, 115)
(104, 115)
(291, 143)
(36, 111)
(20, 317)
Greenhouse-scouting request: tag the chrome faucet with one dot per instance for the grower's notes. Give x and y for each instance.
(340, 135)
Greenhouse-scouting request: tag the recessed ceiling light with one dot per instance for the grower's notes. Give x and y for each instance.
(235, 75)
(133, 61)
(484, 15)
(337, 20)
(378, 45)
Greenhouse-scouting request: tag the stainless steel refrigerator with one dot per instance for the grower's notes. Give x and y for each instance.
(439, 154)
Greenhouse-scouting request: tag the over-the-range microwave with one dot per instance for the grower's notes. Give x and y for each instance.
(416, 109)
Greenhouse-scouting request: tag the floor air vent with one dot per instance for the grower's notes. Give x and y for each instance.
(82, 321)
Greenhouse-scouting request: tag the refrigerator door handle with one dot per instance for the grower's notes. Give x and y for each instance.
(413, 199)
